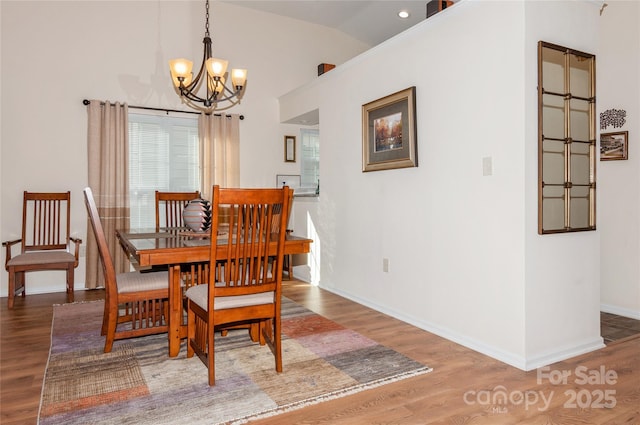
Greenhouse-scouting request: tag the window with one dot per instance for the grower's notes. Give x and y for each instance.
(163, 155)
(310, 160)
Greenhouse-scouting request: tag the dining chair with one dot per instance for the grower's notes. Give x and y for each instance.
(249, 289)
(136, 303)
(169, 206)
(45, 241)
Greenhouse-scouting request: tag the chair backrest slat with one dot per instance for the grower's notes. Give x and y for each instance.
(169, 206)
(46, 221)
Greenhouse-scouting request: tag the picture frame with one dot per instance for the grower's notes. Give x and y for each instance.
(389, 135)
(291, 180)
(614, 146)
(289, 148)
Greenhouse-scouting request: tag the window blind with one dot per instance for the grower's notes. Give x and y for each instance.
(164, 156)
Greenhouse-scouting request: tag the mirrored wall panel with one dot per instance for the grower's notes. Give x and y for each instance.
(566, 140)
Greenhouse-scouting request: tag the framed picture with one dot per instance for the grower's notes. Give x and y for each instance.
(389, 136)
(614, 146)
(291, 180)
(289, 148)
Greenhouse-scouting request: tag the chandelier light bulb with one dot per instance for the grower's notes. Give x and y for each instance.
(181, 68)
(217, 67)
(238, 78)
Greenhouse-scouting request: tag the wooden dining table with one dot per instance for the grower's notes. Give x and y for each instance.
(174, 247)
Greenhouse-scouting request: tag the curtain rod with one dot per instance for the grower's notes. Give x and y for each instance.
(87, 102)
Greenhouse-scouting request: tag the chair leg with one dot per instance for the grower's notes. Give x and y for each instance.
(12, 287)
(211, 364)
(110, 332)
(70, 284)
(277, 342)
(21, 285)
(254, 332)
(287, 265)
(278, 345)
(191, 330)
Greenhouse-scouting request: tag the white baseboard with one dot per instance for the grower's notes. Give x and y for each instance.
(620, 311)
(565, 353)
(506, 357)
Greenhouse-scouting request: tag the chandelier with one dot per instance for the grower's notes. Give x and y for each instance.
(212, 74)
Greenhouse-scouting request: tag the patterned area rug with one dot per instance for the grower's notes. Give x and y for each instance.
(137, 383)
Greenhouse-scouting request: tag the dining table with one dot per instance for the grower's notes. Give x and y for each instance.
(174, 247)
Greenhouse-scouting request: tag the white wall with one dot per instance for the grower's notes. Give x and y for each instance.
(618, 63)
(56, 53)
(466, 260)
(562, 271)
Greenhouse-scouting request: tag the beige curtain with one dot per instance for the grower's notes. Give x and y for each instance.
(108, 148)
(220, 151)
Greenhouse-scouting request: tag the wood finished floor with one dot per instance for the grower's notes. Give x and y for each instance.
(451, 394)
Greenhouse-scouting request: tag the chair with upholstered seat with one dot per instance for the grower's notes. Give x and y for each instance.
(169, 207)
(136, 303)
(249, 289)
(45, 241)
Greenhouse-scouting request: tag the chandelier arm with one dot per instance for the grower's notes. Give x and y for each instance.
(208, 110)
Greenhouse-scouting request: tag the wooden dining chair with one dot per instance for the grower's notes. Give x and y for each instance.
(249, 289)
(169, 206)
(45, 241)
(136, 303)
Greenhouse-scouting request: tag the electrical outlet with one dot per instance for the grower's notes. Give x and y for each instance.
(385, 265)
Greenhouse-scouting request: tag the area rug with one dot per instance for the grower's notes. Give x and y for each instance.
(137, 383)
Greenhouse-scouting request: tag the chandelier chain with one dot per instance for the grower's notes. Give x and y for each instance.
(206, 25)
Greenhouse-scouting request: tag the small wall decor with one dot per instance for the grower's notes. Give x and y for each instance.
(389, 137)
(289, 148)
(614, 146)
(614, 117)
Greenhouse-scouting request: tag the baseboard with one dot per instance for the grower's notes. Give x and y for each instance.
(501, 355)
(565, 353)
(620, 311)
(506, 357)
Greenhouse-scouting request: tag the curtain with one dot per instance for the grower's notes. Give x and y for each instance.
(220, 151)
(108, 152)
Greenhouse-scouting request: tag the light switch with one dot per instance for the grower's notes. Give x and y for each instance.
(487, 166)
(385, 265)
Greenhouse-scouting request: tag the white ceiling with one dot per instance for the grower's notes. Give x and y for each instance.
(369, 21)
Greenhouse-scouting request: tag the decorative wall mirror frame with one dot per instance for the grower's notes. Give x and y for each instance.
(566, 140)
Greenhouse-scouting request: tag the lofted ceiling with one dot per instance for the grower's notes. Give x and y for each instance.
(371, 22)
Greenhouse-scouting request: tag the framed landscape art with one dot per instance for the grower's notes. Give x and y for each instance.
(389, 137)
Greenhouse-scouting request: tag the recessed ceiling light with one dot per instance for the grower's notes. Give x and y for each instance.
(403, 14)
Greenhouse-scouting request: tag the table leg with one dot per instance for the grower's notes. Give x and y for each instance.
(175, 310)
